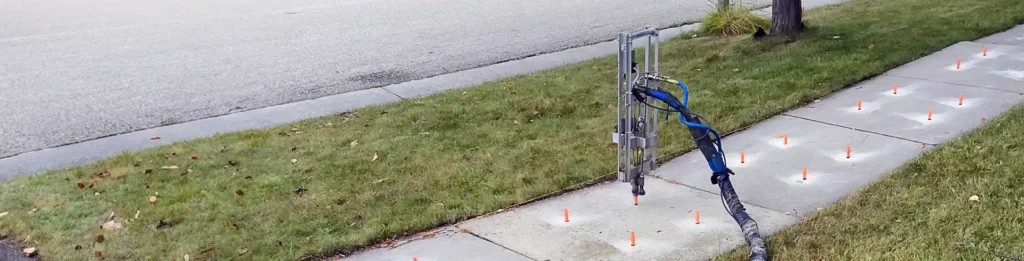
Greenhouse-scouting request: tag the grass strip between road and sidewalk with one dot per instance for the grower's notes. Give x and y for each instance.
(962, 201)
(321, 186)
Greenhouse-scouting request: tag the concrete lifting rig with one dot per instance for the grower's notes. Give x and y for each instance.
(636, 132)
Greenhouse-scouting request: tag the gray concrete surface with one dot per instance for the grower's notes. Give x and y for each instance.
(905, 114)
(602, 217)
(79, 70)
(11, 253)
(1001, 68)
(447, 244)
(1014, 36)
(771, 175)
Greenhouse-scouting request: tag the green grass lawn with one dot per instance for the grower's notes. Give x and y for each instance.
(924, 211)
(326, 185)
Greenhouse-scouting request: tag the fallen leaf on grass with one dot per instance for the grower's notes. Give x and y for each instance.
(111, 226)
(208, 250)
(137, 212)
(2, 214)
(329, 124)
(98, 255)
(295, 160)
(195, 157)
(374, 157)
(169, 167)
(29, 252)
(152, 199)
(380, 180)
(353, 144)
(974, 198)
(871, 46)
(33, 210)
(241, 251)
(81, 185)
(240, 192)
(100, 239)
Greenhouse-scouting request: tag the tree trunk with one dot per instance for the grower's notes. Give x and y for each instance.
(723, 5)
(786, 17)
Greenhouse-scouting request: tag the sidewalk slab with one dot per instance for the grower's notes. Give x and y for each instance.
(601, 218)
(447, 245)
(905, 114)
(1001, 68)
(771, 175)
(1014, 36)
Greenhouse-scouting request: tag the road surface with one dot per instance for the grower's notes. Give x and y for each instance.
(79, 70)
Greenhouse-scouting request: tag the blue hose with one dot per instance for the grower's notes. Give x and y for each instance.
(686, 93)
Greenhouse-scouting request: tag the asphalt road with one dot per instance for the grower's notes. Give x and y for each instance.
(78, 70)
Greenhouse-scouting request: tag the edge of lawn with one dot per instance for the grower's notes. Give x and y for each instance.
(862, 197)
(664, 157)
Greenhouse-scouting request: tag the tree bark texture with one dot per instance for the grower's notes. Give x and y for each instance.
(786, 17)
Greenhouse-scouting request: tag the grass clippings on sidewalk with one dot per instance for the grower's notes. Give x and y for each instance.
(319, 186)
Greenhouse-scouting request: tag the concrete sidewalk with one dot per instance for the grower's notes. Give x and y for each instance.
(888, 130)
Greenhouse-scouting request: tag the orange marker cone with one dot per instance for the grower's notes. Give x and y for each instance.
(742, 157)
(984, 52)
(858, 104)
(698, 217)
(785, 139)
(958, 63)
(636, 200)
(961, 99)
(929, 114)
(894, 85)
(567, 215)
(847, 152)
(805, 173)
(632, 238)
